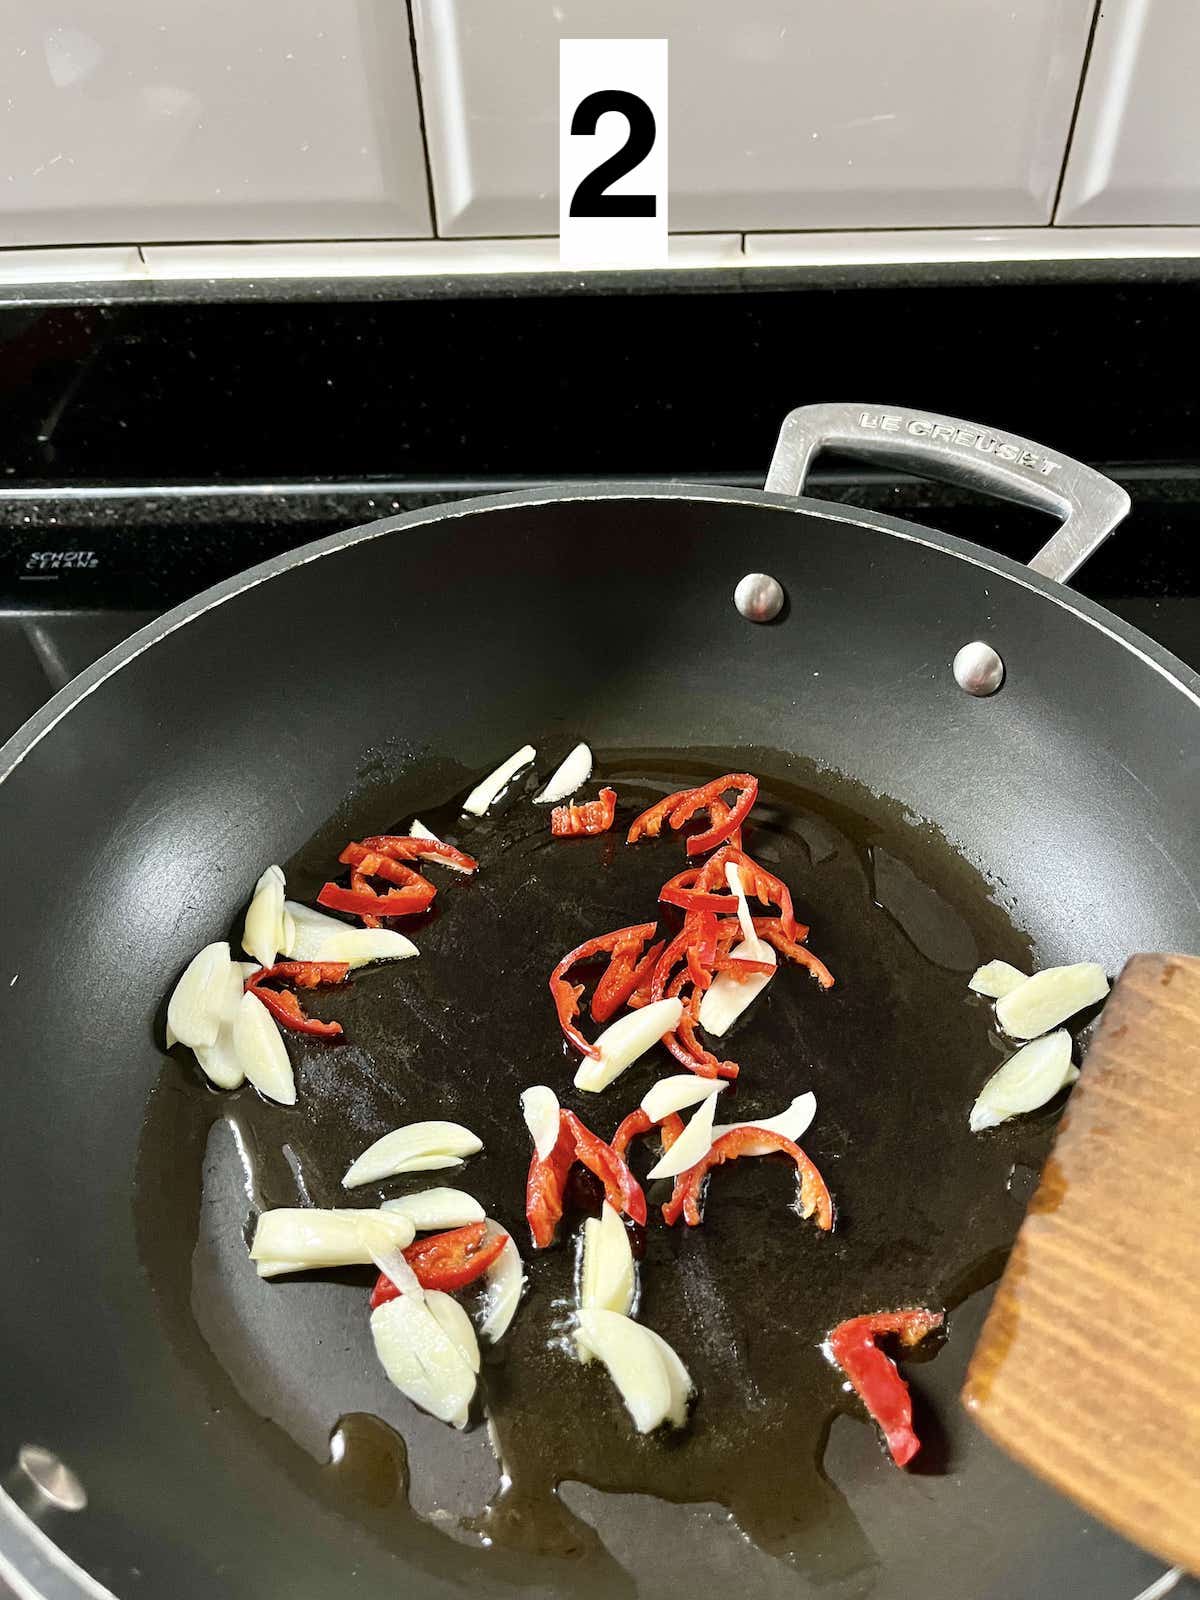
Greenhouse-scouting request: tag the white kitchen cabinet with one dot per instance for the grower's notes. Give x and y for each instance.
(785, 114)
(1135, 154)
(220, 119)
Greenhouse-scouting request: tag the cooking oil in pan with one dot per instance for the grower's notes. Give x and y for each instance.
(895, 1054)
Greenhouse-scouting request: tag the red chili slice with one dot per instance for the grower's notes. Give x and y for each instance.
(445, 1261)
(757, 882)
(649, 824)
(681, 891)
(621, 1189)
(675, 952)
(566, 1004)
(360, 885)
(304, 974)
(701, 950)
(283, 1004)
(692, 1054)
(290, 1014)
(566, 995)
(362, 901)
(375, 864)
(718, 813)
(545, 1184)
(876, 1381)
(741, 967)
(403, 847)
(814, 1196)
(768, 928)
(682, 1042)
(547, 1179)
(638, 1122)
(727, 821)
(644, 973)
(626, 970)
(595, 816)
(703, 888)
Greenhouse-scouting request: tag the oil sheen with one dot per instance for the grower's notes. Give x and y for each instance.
(895, 1054)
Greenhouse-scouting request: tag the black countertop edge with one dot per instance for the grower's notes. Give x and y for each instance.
(536, 387)
(680, 280)
(1158, 481)
(147, 546)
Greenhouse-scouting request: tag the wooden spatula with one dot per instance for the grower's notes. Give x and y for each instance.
(1088, 1368)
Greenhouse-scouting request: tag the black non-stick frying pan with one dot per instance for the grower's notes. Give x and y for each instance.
(380, 672)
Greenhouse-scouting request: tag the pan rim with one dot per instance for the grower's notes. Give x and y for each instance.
(26, 1552)
(31, 733)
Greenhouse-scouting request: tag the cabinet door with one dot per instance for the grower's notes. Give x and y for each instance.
(784, 113)
(1135, 154)
(222, 119)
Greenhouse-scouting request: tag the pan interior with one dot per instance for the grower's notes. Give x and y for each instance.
(895, 1054)
(130, 836)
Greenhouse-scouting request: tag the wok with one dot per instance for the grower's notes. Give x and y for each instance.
(138, 807)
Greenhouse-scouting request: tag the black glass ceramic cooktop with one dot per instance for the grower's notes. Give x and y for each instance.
(150, 449)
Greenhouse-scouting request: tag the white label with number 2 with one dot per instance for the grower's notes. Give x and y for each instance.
(612, 152)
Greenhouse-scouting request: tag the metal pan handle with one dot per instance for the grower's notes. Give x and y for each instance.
(933, 446)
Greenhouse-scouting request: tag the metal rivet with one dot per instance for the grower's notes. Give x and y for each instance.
(759, 597)
(52, 1478)
(978, 669)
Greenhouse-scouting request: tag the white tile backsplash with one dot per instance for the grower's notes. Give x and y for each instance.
(817, 124)
(1135, 154)
(822, 114)
(136, 120)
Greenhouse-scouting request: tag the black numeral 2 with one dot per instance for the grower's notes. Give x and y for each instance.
(591, 198)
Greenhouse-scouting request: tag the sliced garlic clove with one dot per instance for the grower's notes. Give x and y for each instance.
(540, 1108)
(417, 1147)
(219, 1061)
(571, 775)
(303, 1238)
(277, 1269)
(422, 1360)
(482, 795)
(726, 997)
(1026, 1081)
(692, 1145)
(996, 979)
(588, 1261)
(263, 936)
(455, 1324)
(634, 1364)
(678, 1092)
(418, 830)
(628, 1038)
(793, 1123)
(316, 937)
(239, 971)
(733, 878)
(308, 933)
(392, 1263)
(679, 1380)
(197, 1004)
(606, 1278)
(1050, 997)
(261, 1052)
(432, 1210)
(504, 1282)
